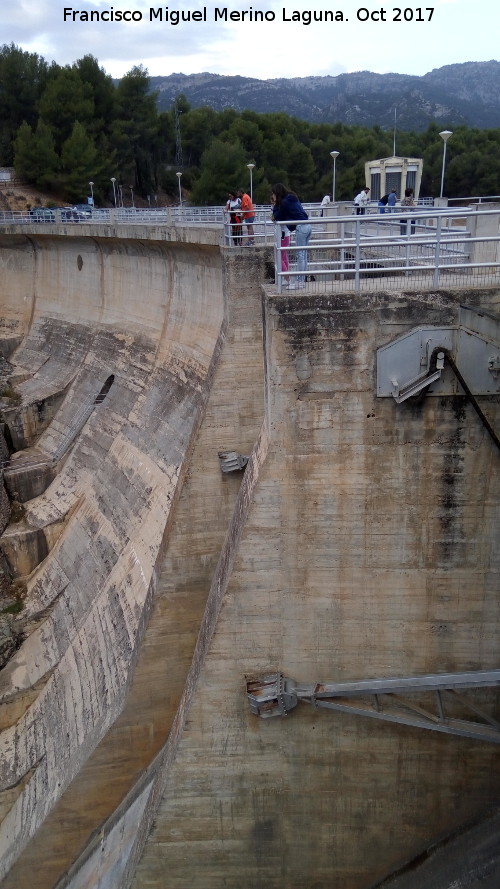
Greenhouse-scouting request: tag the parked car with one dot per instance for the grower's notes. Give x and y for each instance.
(84, 209)
(42, 214)
(70, 214)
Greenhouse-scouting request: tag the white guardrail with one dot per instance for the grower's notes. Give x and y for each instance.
(414, 247)
(448, 247)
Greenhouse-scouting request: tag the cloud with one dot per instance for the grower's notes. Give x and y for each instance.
(266, 49)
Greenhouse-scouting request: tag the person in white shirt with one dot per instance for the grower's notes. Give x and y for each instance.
(324, 203)
(361, 201)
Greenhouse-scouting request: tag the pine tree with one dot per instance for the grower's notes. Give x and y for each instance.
(78, 163)
(35, 157)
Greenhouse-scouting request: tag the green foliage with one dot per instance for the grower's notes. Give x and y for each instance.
(35, 156)
(23, 76)
(15, 608)
(136, 131)
(66, 126)
(222, 165)
(78, 163)
(65, 100)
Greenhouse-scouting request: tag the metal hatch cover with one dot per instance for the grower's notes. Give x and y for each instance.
(407, 364)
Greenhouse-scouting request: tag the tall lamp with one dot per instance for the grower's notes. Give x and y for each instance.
(180, 190)
(92, 192)
(445, 135)
(334, 155)
(113, 180)
(250, 167)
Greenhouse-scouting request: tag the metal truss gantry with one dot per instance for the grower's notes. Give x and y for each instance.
(433, 701)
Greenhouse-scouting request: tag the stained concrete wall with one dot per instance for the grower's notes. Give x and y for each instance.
(359, 542)
(154, 317)
(176, 370)
(370, 549)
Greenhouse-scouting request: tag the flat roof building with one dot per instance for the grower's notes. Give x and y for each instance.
(398, 173)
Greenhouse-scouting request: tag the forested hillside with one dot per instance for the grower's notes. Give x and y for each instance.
(63, 127)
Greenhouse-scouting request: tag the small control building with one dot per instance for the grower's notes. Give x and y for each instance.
(388, 173)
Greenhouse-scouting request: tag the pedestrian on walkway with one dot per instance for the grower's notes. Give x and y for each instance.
(247, 215)
(391, 200)
(287, 208)
(233, 207)
(361, 201)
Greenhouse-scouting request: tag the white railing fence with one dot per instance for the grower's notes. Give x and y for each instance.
(417, 248)
(182, 215)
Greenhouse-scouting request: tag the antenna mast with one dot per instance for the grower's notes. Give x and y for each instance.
(178, 142)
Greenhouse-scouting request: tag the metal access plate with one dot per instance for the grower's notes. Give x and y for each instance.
(407, 358)
(474, 344)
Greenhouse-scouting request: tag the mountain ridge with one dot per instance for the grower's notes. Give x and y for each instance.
(464, 93)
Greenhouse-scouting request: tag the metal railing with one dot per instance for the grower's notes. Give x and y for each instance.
(428, 248)
(433, 246)
(176, 216)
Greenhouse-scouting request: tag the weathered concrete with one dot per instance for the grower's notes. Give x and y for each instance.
(229, 424)
(114, 491)
(469, 859)
(360, 541)
(370, 550)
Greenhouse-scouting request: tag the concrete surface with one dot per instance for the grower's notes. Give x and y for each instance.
(360, 541)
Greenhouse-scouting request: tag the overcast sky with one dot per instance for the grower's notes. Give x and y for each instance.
(458, 31)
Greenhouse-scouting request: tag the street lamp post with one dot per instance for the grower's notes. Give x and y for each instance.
(113, 180)
(92, 193)
(179, 175)
(334, 155)
(445, 135)
(132, 195)
(250, 167)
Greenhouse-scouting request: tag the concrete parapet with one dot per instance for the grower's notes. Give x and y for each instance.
(485, 227)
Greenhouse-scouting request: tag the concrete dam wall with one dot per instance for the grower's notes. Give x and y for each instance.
(360, 541)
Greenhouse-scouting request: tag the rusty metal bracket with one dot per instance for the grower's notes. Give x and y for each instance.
(440, 706)
(231, 461)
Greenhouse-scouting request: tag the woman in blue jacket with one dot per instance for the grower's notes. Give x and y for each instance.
(287, 208)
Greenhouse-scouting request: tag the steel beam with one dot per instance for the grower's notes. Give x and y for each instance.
(390, 699)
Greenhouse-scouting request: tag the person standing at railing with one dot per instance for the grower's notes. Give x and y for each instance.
(382, 204)
(407, 202)
(285, 242)
(361, 201)
(287, 208)
(324, 204)
(247, 215)
(391, 200)
(233, 207)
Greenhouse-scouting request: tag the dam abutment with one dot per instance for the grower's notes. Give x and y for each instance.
(360, 541)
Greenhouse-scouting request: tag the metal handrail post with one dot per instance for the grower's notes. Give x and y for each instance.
(277, 258)
(437, 253)
(357, 254)
(408, 246)
(342, 250)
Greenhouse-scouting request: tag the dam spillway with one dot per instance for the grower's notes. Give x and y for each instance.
(361, 540)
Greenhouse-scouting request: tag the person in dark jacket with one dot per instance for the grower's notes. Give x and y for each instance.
(382, 204)
(287, 208)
